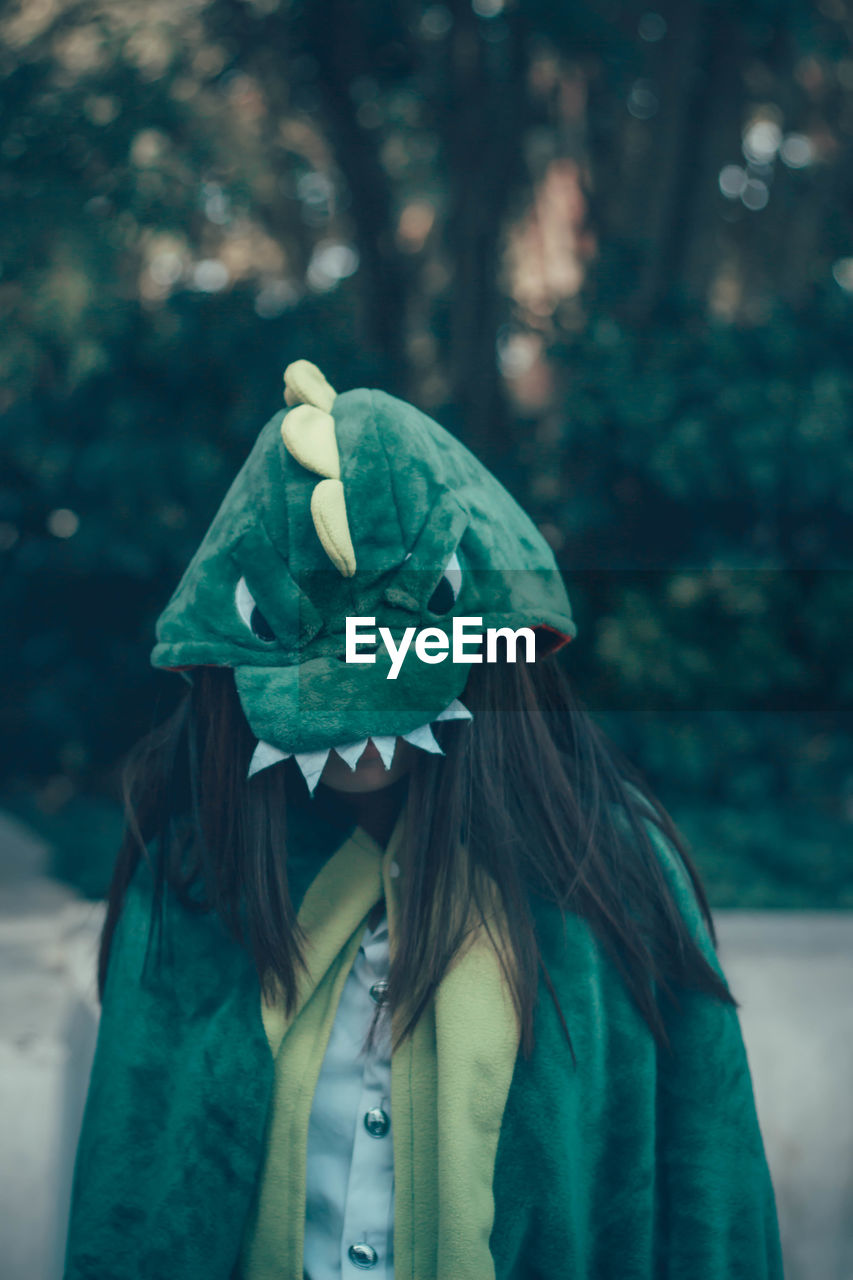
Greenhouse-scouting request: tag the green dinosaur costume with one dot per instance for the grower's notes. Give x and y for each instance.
(626, 1162)
(398, 505)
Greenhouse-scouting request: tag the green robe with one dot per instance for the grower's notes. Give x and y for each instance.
(629, 1163)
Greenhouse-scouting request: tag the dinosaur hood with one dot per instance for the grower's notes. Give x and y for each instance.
(353, 505)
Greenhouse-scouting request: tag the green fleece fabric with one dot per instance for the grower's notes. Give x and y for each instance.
(173, 1132)
(414, 496)
(631, 1163)
(636, 1163)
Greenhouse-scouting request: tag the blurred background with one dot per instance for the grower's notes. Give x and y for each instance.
(609, 245)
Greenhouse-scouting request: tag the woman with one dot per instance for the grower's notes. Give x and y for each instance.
(402, 970)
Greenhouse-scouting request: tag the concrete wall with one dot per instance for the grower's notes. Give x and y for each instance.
(48, 1024)
(793, 976)
(792, 973)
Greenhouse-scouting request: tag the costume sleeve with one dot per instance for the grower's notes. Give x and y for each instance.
(715, 1207)
(620, 1159)
(173, 1128)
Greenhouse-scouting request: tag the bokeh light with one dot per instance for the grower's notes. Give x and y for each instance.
(63, 523)
(755, 194)
(643, 100)
(330, 263)
(210, 275)
(842, 273)
(652, 27)
(797, 151)
(732, 180)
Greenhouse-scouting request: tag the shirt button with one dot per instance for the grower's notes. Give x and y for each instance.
(363, 1255)
(378, 991)
(376, 1122)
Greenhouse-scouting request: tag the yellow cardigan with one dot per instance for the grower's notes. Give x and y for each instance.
(449, 1085)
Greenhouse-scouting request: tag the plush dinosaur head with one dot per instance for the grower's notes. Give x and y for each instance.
(354, 505)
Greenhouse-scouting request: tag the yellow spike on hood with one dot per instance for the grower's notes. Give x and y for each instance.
(309, 436)
(303, 382)
(329, 513)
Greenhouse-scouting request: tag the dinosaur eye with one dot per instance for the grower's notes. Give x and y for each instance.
(260, 626)
(251, 614)
(444, 596)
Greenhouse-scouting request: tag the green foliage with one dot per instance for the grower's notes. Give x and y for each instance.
(195, 195)
(705, 492)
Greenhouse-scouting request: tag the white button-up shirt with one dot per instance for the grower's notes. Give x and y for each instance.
(349, 1218)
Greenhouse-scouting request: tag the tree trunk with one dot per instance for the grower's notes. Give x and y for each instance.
(485, 111)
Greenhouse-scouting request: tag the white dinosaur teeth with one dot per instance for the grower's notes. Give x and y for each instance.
(453, 574)
(351, 753)
(312, 764)
(263, 756)
(423, 737)
(455, 711)
(386, 745)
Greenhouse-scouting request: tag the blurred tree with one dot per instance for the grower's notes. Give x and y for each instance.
(608, 245)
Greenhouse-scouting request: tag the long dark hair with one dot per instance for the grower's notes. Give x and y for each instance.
(543, 804)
